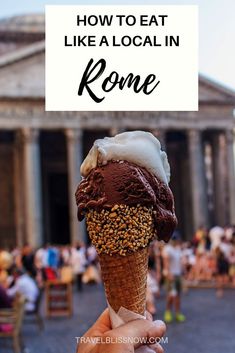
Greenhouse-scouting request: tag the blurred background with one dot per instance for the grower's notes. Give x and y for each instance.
(40, 155)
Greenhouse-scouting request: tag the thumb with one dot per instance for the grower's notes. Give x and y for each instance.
(101, 326)
(140, 331)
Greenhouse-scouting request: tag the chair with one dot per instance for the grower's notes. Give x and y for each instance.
(36, 312)
(59, 298)
(13, 318)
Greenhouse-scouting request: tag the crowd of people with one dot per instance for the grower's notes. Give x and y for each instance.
(209, 258)
(25, 270)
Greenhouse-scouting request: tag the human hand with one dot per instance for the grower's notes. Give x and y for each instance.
(100, 338)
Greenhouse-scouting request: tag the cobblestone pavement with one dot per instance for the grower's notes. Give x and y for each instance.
(209, 327)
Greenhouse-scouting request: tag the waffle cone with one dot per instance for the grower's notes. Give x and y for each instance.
(125, 280)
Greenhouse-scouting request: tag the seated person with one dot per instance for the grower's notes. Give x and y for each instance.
(5, 300)
(25, 285)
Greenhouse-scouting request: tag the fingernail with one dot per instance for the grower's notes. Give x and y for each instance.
(161, 325)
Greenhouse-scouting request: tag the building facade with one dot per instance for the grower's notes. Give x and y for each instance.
(41, 152)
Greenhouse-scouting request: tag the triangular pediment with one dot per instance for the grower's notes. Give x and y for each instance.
(22, 75)
(212, 92)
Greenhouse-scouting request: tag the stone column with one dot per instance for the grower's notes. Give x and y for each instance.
(32, 186)
(219, 178)
(114, 131)
(74, 160)
(198, 180)
(231, 173)
(19, 190)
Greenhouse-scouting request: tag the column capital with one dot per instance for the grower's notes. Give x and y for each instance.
(160, 134)
(73, 135)
(27, 135)
(194, 135)
(229, 136)
(115, 130)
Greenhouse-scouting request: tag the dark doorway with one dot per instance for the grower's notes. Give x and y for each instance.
(89, 137)
(177, 151)
(55, 187)
(58, 208)
(7, 190)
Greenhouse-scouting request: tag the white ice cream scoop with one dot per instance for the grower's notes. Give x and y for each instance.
(138, 147)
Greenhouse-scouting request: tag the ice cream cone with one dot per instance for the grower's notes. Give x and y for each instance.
(125, 280)
(125, 197)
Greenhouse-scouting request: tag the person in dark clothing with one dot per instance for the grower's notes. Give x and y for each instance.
(222, 271)
(28, 260)
(5, 300)
(207, 241)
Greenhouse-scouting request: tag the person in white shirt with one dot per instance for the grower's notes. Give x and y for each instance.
(41, 258)
(91, 255)
(78, 262)
(25, 285)
(215, 234)
(226, 247)
(172, 271)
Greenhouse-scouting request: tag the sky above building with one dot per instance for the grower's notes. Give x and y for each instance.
(216, 29)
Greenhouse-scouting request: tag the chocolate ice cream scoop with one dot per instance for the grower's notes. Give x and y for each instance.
(125, 183)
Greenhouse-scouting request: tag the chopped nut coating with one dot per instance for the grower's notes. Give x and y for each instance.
(121, 230)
